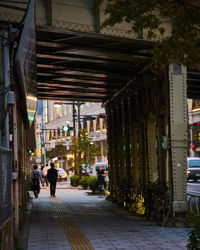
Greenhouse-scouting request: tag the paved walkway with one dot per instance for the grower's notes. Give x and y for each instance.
(76, 220)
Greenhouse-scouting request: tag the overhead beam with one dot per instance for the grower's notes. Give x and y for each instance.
(88, 78)
(88, 67)
(53, 69)
(85, 83)
(70, 97)
(71, 89)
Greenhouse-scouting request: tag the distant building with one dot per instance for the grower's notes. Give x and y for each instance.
(92, 118)
(194, 127)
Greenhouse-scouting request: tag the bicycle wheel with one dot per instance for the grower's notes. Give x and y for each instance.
(161, 211)
(194, 205)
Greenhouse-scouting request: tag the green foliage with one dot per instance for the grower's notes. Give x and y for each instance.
(83, 150)
(150, 17)
(194, 235)
(83, 182)
(92, 183)
(194, 239)
(74, 179)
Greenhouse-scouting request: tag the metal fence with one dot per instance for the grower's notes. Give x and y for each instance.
(193, 204)
(5, 185)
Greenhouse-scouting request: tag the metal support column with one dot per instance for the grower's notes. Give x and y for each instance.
(152, 150)
(178, 126)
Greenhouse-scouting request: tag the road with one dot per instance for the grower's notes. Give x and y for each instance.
(193, 188)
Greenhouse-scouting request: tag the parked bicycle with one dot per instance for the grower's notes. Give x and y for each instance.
(156, 202)
(153, 203)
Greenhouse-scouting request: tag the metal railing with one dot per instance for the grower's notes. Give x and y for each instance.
(193, 204)
(5, 186)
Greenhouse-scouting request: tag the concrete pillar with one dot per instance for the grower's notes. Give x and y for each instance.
(178, 127)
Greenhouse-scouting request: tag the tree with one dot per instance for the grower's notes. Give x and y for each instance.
(183, 16)
(84, 151)
(58, 151)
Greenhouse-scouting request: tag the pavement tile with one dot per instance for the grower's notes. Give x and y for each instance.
(103, 223)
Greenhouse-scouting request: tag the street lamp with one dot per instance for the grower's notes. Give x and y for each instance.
(78, 104)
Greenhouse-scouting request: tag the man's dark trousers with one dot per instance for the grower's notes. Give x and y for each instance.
(52, 188)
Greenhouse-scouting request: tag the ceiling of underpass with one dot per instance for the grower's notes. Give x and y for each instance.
(81, 66)
(74, 65)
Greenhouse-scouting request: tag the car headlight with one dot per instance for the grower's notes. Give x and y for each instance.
(188, 171)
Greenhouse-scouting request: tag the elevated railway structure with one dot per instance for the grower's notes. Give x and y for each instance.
(75, 60)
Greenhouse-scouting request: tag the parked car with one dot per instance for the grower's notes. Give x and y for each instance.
(62, 175)
(193, 171)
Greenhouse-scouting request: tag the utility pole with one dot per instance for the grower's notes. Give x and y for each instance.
(43, 156)
(74, 113)
(78, 128)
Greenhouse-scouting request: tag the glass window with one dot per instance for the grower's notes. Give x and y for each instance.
(194, 163)
(195, 103)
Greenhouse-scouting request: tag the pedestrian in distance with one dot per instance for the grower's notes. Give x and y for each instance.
(101, 182)
(44, 172)
(52, 175)
(35, 180)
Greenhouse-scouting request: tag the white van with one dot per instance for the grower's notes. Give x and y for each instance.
(99, 166)
(193, 171)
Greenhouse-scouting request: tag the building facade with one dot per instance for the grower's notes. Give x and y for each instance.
(59, 115)
(194, 127)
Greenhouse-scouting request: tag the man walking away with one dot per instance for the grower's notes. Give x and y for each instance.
(35, 180)
(52, 175)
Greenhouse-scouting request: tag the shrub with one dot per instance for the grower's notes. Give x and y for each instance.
(194, 239)
(83, 182)
(74, 179)
(92, 183)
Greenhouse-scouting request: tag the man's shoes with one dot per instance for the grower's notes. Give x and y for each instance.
(54, 195)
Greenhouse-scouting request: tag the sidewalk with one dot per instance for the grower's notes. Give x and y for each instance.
(76, 220)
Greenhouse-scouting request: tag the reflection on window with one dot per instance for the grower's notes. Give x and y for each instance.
(85, 124)
(195, 103)
(58, 112)
(98, 124)
(104, 123)
(65, 109)
(91, 126)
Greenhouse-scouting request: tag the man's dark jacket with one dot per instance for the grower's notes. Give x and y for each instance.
(52, 175)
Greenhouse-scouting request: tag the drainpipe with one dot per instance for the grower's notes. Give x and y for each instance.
(6, 84)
